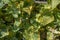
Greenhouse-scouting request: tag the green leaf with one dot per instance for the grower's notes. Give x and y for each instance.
(3, 33)
(17, 23)
(15, 15)
(1, 4)
(45, 19)
(55, 3)
(5, 1)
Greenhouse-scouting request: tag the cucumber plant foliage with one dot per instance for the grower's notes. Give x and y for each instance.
(21, 19)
